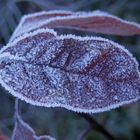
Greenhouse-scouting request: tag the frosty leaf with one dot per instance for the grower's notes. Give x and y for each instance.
(32, 20)
(96, 21)
(42, 16)
(99, 22)
(23, 131)
(84, 74)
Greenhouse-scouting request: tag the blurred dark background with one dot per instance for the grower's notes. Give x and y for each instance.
(58, 122)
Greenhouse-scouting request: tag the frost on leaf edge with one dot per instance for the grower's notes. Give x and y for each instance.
(107, 108)
(30, 34)
(33, 15)
(73, 16)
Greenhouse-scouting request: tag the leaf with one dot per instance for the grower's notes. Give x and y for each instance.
(23, 131)
(97, 21)
(28, 21)
(83, 74)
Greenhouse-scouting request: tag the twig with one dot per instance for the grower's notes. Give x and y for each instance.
(96, 126)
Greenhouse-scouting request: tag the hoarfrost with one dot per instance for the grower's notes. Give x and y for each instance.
(84, 74)
(96, 21)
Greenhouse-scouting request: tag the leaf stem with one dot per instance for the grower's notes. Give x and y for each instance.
(17, 108)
